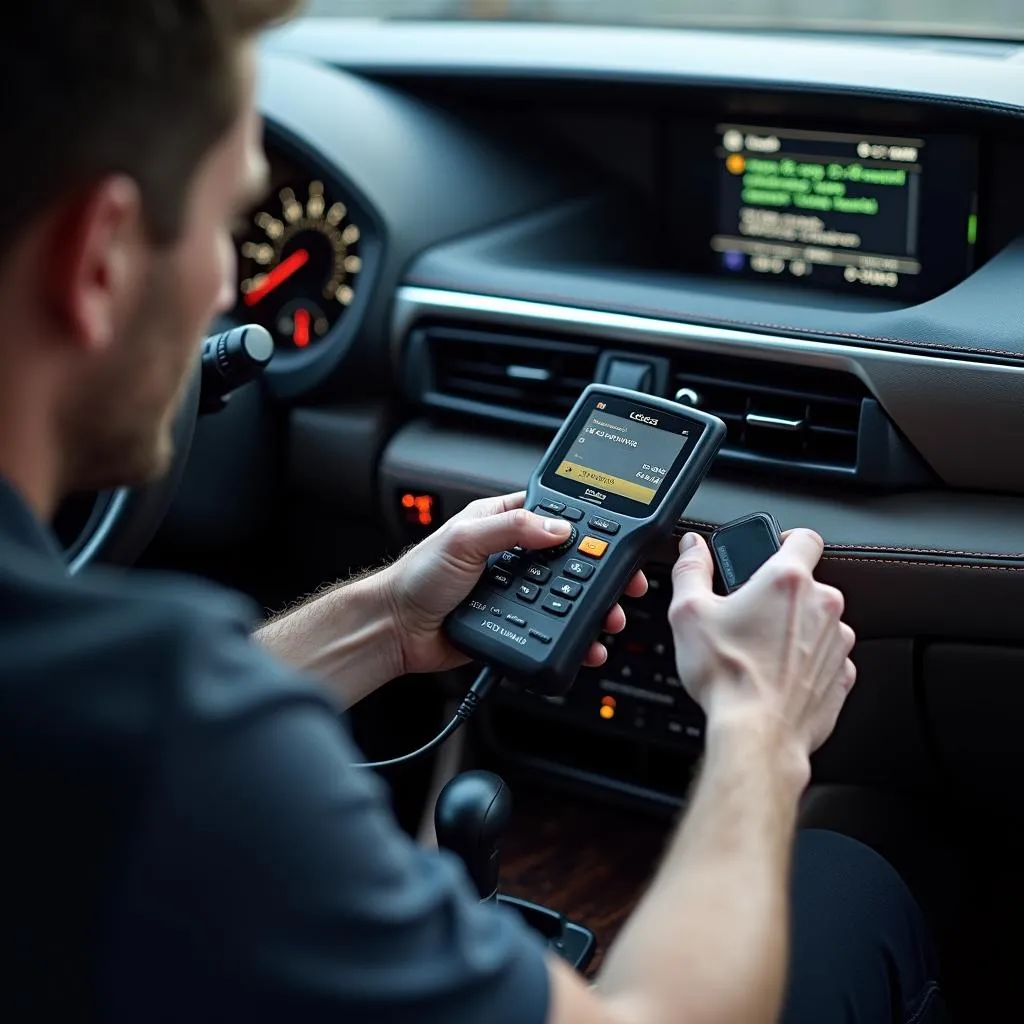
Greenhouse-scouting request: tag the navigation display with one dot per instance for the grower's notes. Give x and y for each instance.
(840, 210)
(620, 456)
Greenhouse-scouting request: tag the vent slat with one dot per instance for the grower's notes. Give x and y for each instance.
(536, 376)
(825, 404)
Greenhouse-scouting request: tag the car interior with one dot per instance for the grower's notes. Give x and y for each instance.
(816, 237)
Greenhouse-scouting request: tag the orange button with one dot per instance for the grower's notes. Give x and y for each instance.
(593, 547)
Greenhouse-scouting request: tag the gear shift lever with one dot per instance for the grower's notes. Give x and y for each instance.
(470, 818)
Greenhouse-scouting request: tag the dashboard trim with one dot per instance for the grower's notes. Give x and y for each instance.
(747, 326)
(932, 399)
(910, 68)
(414, 301)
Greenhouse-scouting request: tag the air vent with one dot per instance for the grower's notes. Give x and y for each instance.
(782, 418)
(529, 379)
(780, 414)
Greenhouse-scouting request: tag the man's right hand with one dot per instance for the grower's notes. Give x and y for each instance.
(774, 652)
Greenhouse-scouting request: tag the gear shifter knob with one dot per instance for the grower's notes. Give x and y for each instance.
(470, 818)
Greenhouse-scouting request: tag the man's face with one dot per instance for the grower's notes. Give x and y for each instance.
(121, 416)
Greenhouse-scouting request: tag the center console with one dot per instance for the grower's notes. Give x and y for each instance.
(628, 725)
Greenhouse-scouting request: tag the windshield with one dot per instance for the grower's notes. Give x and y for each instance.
(979, 18)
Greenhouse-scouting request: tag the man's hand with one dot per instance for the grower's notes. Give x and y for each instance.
(774, 653)
(433, 578)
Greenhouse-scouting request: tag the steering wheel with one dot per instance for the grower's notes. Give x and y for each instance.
(115, 526)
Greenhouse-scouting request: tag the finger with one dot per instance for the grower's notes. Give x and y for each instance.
(849, 637)
(637, 586)
(616, 621)
(833, 601)
(693, 572)
(848, 679)
(833, 654)
(804, 547)
(472, 540)
(596, 656)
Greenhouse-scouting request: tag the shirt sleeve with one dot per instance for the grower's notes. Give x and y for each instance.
(269, 881)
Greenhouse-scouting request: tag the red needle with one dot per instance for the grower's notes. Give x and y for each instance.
(301, 333)
(277, 276)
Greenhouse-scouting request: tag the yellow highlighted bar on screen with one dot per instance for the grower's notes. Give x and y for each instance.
(615, 484)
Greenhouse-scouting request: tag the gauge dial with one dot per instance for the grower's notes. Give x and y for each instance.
(299, 264)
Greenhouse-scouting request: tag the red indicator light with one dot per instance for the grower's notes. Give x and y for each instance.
(420, 509)
(300, 335)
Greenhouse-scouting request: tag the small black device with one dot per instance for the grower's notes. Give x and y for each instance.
(621, 470)
(741, 547)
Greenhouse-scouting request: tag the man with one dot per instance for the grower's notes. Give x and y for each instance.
(185, 837)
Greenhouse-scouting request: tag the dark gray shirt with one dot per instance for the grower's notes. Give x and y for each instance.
(185, 838)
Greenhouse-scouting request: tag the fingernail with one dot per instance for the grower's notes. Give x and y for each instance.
(689, 541)
(557, 526)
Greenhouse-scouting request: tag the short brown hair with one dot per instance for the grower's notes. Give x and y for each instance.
(139, 87)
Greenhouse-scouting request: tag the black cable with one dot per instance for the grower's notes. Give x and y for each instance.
(480, 688)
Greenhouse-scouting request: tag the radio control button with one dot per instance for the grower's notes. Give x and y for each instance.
(555, 507)
(538, 635)
(527, 592)
(538, 573)
(592, 547)
(557, 606)
(566, 588)
(573, 514)
(502, 577)
(515, 620)
(604, 525)
(581, 570)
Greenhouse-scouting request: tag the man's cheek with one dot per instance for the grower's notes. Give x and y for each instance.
(227, 272)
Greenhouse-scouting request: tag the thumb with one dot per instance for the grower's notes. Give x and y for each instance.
(475, 539)
(694, 571)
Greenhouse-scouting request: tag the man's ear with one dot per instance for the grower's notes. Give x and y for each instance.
(94, 260)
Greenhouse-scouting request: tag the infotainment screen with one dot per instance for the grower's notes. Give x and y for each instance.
(619, 456)
(845, 211)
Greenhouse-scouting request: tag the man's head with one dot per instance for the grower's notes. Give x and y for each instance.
(130, 146)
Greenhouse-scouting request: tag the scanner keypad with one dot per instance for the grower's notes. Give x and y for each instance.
(544, 585)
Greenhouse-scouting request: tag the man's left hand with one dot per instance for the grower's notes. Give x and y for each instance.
(433, 578)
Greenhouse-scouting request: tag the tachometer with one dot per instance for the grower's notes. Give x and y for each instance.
(299, 264)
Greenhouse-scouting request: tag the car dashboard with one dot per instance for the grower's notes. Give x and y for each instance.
(819, 239)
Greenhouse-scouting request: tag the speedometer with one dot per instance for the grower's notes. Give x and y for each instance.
(299, 264)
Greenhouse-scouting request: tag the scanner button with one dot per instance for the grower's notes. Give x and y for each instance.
(507, 560)
(516, 620)
(538, 635)
(560, 549)
(495, 610)
(538, 573)
(550, 506)
(557, 606)
(502, 577)
(527, 592)
(593, 547)
(581, 570)
(573, 514)
(604, 525)
(566, 588)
